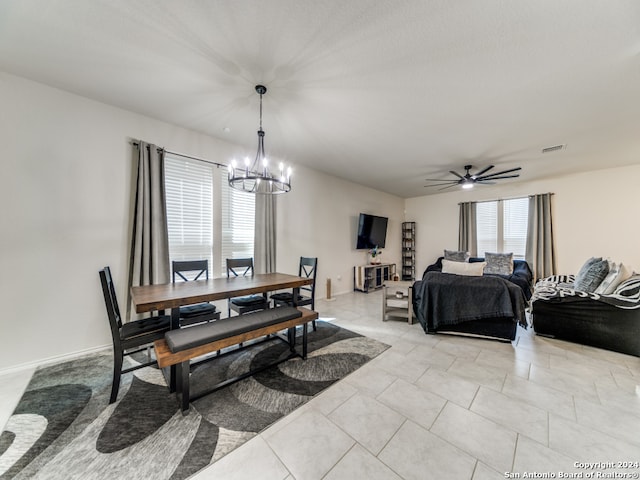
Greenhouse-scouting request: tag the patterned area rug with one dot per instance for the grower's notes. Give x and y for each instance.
(64, 428)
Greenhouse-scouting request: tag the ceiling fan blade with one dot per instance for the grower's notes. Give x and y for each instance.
(496, 178)
(499, 173)
(438, 180)
(456, 174)
(484, 170)
(448, 186)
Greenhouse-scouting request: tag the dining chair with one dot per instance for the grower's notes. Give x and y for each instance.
(308, 268)
(243, 267)
(130, 335)
(191, 270)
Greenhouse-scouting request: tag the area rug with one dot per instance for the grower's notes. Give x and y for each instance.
(64, 428)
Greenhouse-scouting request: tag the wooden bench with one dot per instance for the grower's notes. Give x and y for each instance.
(180, 346)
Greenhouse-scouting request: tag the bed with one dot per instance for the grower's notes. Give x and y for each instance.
(490, 305)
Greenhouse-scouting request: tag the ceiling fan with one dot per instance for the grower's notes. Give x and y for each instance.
(468, 180)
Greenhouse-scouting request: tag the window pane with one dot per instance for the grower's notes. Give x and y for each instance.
(189, 202)
(515, 218)
(487, 224)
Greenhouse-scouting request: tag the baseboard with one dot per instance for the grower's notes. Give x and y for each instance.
(334, 295)
(51, 360)
(71, 356)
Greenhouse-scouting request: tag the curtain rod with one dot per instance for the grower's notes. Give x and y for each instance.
(508, 198)
(160, 149)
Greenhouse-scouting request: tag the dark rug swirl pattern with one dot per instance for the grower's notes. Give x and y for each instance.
(64, 428)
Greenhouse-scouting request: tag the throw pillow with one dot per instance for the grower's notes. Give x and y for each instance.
(589, 280)
(499, 263)
(586, 266)
(463, 268)
(617, 274)
(630, 287)
(456, 256)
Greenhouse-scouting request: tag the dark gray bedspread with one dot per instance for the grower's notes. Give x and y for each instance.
(447, 299)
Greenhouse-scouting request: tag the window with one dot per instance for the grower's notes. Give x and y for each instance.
(502, 226)
(206, 218)
(238, 220)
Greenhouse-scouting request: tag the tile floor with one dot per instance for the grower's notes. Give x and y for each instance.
(445, 407)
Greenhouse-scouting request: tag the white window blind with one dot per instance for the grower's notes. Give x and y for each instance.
(487, 227)
(515, 217)
(189, 199)
(206, 218)
(238, 220)
(502, 226)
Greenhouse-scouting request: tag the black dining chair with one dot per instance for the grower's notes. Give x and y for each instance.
(130, 335)
(308, 268)
(243, 267)
(190, 270)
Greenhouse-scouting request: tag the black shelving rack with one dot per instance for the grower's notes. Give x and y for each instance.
(408, 251)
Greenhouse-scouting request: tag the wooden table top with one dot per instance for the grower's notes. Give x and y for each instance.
(148, 298)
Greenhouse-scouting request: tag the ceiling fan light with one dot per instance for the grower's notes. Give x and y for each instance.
(467, 181)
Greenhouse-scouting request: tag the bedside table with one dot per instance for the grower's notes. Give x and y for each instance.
(396, 300)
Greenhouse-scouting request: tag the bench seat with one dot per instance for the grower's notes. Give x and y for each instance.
(186, 338)
(180, 346)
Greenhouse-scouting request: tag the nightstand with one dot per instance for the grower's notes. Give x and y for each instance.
(396, 300)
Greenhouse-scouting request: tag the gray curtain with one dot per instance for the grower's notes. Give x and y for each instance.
(265, 234)
(540, 253)
(149, 260)
(467, 231)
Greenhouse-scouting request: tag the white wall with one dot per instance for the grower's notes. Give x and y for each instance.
(319, 218)
(594, 214)
(65, 191)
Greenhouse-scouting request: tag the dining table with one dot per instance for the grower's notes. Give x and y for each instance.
(171, 296)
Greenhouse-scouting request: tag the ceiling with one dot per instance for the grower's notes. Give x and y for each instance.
(383, 93)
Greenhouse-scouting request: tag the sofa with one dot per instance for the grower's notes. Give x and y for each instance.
(608, 320)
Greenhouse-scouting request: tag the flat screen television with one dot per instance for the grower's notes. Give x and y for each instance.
(372, 231)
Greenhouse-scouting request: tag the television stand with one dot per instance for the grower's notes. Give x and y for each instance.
(372, 277)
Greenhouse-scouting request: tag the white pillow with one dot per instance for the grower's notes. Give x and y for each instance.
(463, 268)
(618, 273)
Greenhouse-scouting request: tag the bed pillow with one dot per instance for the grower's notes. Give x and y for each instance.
(456, 256)
(499, 263)
(589, 278)
(463, 268)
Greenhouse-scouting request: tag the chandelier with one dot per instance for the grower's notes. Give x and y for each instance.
(256, 177)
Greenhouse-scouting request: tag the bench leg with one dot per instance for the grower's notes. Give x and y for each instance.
(183, 385)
